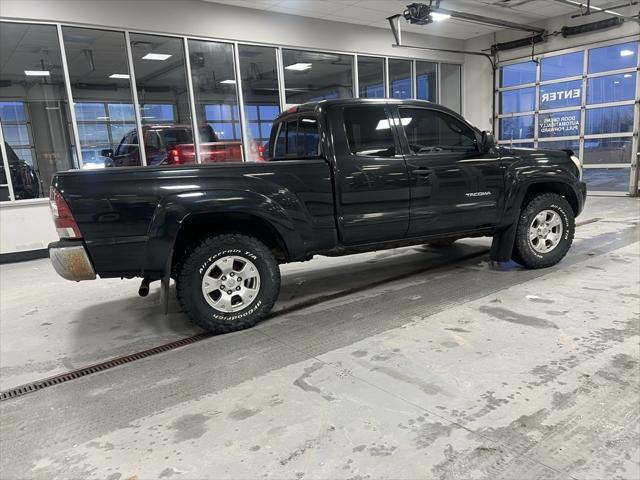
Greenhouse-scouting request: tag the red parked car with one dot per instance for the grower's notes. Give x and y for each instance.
(173, 145)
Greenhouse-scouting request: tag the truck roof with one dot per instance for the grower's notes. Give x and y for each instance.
(321, 104)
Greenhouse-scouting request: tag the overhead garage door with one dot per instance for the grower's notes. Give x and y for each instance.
(582, 99)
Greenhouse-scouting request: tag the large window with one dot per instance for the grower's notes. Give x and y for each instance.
(258, 69)
(101, 88)
(399, 78)
(426, 81)
(582, 100)
(216, 101)
(312, 76)
(451, 86)
(34, 110)
(163, 96)
(80, 97)
(371, 77)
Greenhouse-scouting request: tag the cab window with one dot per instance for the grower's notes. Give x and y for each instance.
(431, 131)
(297, 138)
(369, 131)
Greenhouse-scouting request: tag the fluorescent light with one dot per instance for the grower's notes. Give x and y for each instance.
(228, 82)
(299, 67)
(37, 73)
(119, 75)
(627, 75)
(103, 118)
(626, 53)
(384, 123)
(156, 56)
(438, 17)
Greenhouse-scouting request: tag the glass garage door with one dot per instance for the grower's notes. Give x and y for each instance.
(584, 100)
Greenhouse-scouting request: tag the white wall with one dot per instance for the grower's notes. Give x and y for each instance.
(29, 226)
(199, 18)
(25, 226)
(478, 81)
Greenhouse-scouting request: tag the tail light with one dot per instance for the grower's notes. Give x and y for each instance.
(261, 153)
(66, 225)
(174, 156)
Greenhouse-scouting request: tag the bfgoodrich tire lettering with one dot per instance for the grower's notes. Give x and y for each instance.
(190, 282)
(524, 252)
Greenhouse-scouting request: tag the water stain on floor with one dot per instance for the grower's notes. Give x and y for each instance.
(514, 317)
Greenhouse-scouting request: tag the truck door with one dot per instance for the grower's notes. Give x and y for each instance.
(454, 186)
(372, 183)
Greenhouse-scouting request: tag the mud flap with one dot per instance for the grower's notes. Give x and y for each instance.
(164, 286)
(503, 242)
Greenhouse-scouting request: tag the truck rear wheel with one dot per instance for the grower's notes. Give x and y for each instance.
(229, 282)
(545, 231)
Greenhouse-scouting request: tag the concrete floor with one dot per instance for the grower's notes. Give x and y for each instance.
(463, 370)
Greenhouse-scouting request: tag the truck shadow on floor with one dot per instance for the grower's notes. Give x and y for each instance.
(132, 323)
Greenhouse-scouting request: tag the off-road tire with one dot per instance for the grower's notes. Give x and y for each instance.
(189, 285)
(523, 251)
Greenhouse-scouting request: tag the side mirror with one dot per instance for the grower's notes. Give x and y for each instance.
(487, 141)
(107, 152)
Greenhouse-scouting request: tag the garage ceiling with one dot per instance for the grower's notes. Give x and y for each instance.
(374, 12)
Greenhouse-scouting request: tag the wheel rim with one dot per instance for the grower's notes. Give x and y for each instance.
(545, 231)
(230, 284)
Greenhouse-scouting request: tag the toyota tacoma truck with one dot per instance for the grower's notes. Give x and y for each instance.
(341, 177)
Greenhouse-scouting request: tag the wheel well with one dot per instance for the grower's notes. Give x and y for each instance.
(195, 228)
(553, 187)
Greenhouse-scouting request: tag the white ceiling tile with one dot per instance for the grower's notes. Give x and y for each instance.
(305, 7)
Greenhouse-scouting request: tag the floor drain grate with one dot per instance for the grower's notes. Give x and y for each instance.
(114, 362)
(98, 367)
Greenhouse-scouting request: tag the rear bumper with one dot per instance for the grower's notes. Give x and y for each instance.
(70, 260)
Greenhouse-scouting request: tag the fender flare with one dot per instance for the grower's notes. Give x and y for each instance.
(173, 210)
(504, 239)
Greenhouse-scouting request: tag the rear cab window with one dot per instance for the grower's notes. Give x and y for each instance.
(296, 137)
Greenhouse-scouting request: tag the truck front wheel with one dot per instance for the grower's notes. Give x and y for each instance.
(545, 231)
(229, 282)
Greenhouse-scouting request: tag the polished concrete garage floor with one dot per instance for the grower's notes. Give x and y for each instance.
(455, 368)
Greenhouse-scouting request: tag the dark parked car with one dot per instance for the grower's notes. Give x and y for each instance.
(24, 178)
(172, 145)
(343, 176)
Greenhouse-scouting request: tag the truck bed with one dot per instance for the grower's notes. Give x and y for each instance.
(118, 209)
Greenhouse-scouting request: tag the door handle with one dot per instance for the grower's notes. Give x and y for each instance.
(423, 171)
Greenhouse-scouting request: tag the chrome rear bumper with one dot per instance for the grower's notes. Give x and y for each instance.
(71, 261)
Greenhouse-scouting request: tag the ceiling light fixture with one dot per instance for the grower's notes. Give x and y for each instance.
(626, 53)
(627, 75)
(119, 75)
(37, 73)
(229, 82)
(439, 17)
(299, 67)
(156, 56)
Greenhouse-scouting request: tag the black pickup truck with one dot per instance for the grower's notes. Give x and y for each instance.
(342, 176)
